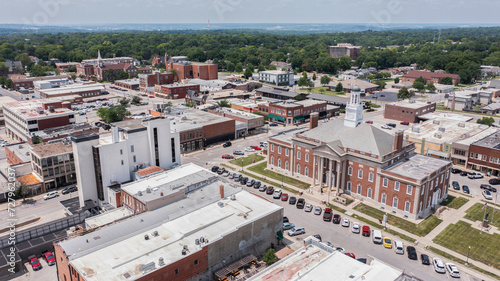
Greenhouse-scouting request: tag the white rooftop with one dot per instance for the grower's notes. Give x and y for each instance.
(417, 166)
(445, 116)
(478, 136)
(444, 131)
(75, 88)
(108, 217)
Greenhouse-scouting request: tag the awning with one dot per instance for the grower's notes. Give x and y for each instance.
(235, 265)
(277, 117)
(297, 118)
(279, 234)
(432, 152)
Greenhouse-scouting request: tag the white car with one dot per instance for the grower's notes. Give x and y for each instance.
(296, 231)
(308, 208)
(399, 247)
(453, 270)
(438, 265)
(50, 195)
(386, 127)
(317, 210)
(249, 149)
(487, 195)
(355, 227)
(277, 194)
(475, 175)
(345, 222)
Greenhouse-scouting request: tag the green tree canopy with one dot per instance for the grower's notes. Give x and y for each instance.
(418, 85)
(124, 101)
(430, 87)
(261, 68)
(403, 93)
(446, 81)
(270, 257)
(239, 67)
(325, 79)
(339, 87)
(396, 80)
(223, 103)
(314, 77)
(136, 100)
(123, 75)
(422, 80)
(486, 121)
(113, 114)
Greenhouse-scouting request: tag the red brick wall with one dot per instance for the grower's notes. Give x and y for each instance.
(406, 114)
(302, 161)
(221, 128)
(53, 122)
(64, 270)
(364, 181)
(489, 152)
(12, 159)
(276, 155)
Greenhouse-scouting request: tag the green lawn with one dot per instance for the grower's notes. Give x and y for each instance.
(483, 247)
(421, 229)
(261, 169)
(247, 160)
(454, 202)
(476, 213)
(326, 91)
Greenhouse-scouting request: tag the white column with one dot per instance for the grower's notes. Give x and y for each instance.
(314, 170)
(320, 176)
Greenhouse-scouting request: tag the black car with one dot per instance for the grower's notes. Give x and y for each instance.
(244, 180)
(363, 260)
(292, 200)
(273, 124)
(301, 203)
(257, 184)
(285, 219)
(69, 189)
(455, 185)
(494, 181)
(425, 259)
(466, 189)
(412, 253)
(317, 236)
(488, 187)
(336, 219)
(456, 171)
(464, 173)
(391, 124)
(270, 190)
(214, 169)
(227, 144)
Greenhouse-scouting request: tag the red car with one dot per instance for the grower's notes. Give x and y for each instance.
(256, 147)
(369, 122)
(366, 231)
(227, 156)
(35, 263)
(151, 96)
(105, 99)
(351, 255)
(284, 197)
(405, 123)
(49, 257)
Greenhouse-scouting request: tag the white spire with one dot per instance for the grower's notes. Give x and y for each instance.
(354, 109)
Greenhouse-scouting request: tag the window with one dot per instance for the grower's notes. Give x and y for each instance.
(306, 171)
(396, 186)
(422, 188)
(441, 180)
(134, 159)
(279, 149)
(360, 174)
(286, 151)
(369, 193)
(349, 171)
(491, 159)
(484, 157)
(370, 177)
(272, 147)
(384, 198)
(298, 155)
(447, 173)
(196, 262)
(407, 206)
(472, 155)
(121, 151)
(409, 189)
(279, 163)
(131, 148)
(122, 162)
(286, 165)
(298, 169)
(306, 157)
(385, 182)
(395, 202)
(358, 191)
(349, 186)
(272, 160)
(176, 271)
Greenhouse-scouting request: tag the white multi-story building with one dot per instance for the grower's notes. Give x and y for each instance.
(277, 77)
(104, 161)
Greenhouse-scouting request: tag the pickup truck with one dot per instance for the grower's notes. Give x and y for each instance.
(35, 263)
(49, 257)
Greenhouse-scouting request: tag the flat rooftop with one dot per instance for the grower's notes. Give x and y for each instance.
(240, 113)
(287, 137)
(108, 217)
(132, 82)
(75, 88)
(5, 99)
(417, 166)
(124, 255)
(472, 139)
(21, 150)
(491, 141)
(34, 108)
(310, 102)
(407, 104)
(63, 130)
(274, 72)
(193, 118)
(445, 116)
(444, 131)
(51, 149)
(131, 124)
(228, 93)
(177, 85)
(289, 104)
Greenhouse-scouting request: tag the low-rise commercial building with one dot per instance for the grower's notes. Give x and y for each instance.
(460, 148)
(291, 113)
(61, 132)
(277, 77)
(4, 100)
(251, 122)
(175, 91)
(49, 84)
(278, 93)
(484, 155)
(429, 76)
(18, 83)
(83, 90)
(53, 164)
(365, 86)
(408, 111)
(189, 70)
(157, 78)
(344, 49)
(466, 100)
(131, 84)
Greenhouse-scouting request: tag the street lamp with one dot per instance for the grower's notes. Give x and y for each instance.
(242, 164)
(468, 252)
(281, 180)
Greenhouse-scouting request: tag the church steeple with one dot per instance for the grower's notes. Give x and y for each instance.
(99, 58)
(354, 109)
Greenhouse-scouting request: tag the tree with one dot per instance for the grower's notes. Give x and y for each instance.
(446, 81)
(314, 77)
(248, 71)
(380, 83)
(486, 121)
(230, 67)
(113, 114)
(190, 104)
(270, 257)
(175, 75)
(339, 87)
(430, 87)
(302, 81)
(124, 101)
(325, 79)
(396, 81)
(422, 80)
(136, 100)
(298, 97)
(322, 91)
(81, 76)
(403, 93)
(109, 75)
(261, 68)
(8, 83)
(169, 104)
(419, 86)
(123, 75)
(23, 58)
(239, 67)
(72, 68)
(223, 103)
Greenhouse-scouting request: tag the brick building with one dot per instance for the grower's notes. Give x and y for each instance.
(364, 161)
(23, 82)
(157, 78)
(24, 117)
(408, 111)
(291, 113)
(344, 49)
(85, 90)
(175, 91)
(17, 153)
(131, 84)
(56, 133)
(188, 70)
(53, 164)
(247, 123)
(484, 155)
(98, 67)
(429, 76)
(64, 66)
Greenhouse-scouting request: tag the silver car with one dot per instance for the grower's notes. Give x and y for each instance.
(308, 208)
(453, 270)
(317, 210)
(438, 265)
(296, 231)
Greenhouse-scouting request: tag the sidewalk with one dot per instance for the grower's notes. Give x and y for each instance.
(421, 243)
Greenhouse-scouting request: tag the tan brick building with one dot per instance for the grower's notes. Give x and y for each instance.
(408, 111)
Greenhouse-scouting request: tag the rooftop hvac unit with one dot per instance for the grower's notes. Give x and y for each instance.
(436, 122)
(160, 261)
(442, 129)
(185, 247)
(184, 252)
(202, 239)
(139, 193)
(461, 124)
(438, 135)
(146, 237)
(197, 241)
(148, 190)
(233, 197)
(155, 233)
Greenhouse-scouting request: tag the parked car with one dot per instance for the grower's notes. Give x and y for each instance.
(327, 215)
(362, 260)
(284, 197)
(292, 200)
(227, 144)
(438, 265)
(69, 189)
(270, 190)
(412, 253)
(455, 185)
(231, 175)
(308, 208)
(317, 236)
(340, 249)
(391, 125)
(50, 195)
(464, 173)
(285, 219)
(488, 187)
(250, 183)
(365, 231)
(237, 177)
(317, 210)
(329, 244)
(466, 189)
(249, 149)
(257, 184)
(387, 242)
(227, 156)
(452, 270)
(296, 231)
(425, 259)
(244, 180)
(345, 222)
(221, 170)
(336, 219)
(214, 169)
(288, 225)
(456, 171)
(238, 152)
(487, 195)
(256, 147)
(398, 247)
(405, 123)
(277, 194)
(386, 127)
(475, 175)
(49, 257)
(369, 122)
(351, 255)
(263, 188)
(273, 124)
(35, 263)
(494, 181)
(355, 227)
(301, 203)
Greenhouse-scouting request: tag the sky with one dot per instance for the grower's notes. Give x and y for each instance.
(61, 12)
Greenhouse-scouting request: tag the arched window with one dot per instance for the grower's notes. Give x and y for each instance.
(279, 163)
(384, 198)
(306, 171)
(298, 169)
(272, 160)
(369, 193)
(358, 191)
(286, 165)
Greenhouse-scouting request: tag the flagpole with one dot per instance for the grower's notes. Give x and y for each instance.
(493, 214)
(485, 207)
